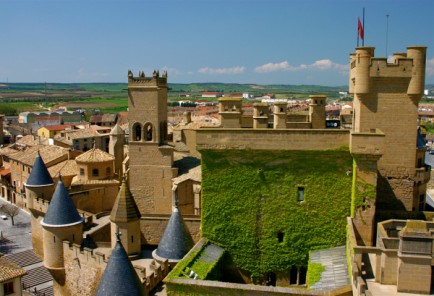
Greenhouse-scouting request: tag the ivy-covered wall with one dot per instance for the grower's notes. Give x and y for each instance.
(250, 205)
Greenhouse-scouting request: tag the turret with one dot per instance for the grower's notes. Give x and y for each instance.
(279, 111)
(230, 112)
(39, 183)
(119, 277)
(116, 148)
(260, 115)
(317, 111)
(417, 82)
(61, 222)
(176, 240)
(125, 218)
(363, 62)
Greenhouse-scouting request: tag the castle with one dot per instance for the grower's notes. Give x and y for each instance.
(275, 189)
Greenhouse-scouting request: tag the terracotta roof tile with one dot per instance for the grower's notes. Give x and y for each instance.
(9, 270)
(48, 153)
(65, 168)
(95, 155)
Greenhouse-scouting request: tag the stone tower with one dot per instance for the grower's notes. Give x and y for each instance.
(230, 112)
(279, 111)
(151, 159)
(317, 111)
(384, 135)
(125, 218)
(39, 190)
(116, 148)
(61, 222)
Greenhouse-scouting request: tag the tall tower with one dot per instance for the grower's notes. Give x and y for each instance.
(39, 190)
(116, 148)
(386, 97)
(151, 159)
(317, 111)
(61, 222)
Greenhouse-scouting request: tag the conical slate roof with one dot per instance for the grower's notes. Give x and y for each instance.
(124, 208)
(119, 277)
(176, 240)
(61, 211)
(39, 176)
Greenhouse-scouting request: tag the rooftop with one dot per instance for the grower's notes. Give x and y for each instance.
(95, 155)
(61, 211)
(9, 270)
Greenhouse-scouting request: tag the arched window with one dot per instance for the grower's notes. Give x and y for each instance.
(148, 132)
(95, 172)
(137, 132)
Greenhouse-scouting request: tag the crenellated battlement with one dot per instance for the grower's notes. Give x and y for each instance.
(150, 272)
(142, 81)
(410, 65)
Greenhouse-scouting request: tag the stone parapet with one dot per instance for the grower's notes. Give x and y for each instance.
(367, 143)
(271, 139)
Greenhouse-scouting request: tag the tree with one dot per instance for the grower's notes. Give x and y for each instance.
(10, 210)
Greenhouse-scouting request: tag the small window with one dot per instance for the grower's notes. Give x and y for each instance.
(419, 162)
(95, 173)
(81, 172)
(132, 239)
(108, 172)
(8, 288)
(280, 236)
(300, 194)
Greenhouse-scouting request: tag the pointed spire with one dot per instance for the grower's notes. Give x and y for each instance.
(176, 240)
(116, 130)
(61, 211)
(119, 277)
(124, 208)
(39, 176)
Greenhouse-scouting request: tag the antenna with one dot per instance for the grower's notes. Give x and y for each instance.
(387, 32)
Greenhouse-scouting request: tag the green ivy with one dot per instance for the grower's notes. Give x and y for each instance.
(314, 271)
(248, 197)
(362, 192)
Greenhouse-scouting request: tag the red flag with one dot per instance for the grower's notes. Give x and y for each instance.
(360, 26)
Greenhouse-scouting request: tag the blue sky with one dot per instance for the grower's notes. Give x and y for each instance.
(239, 41)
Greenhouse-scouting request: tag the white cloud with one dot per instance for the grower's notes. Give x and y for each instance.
(233, 70)
(170, 71)
(430, 67)
(321, 65)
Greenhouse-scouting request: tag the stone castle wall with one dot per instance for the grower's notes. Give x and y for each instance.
(271, 139)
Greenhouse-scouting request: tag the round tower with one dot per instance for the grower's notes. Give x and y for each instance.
(125, 218)
(116, 148)
(363, 63)
(39, 190)
(176, 240)
(417, 82)
(61, 222)
(39, 183)
(119, 277)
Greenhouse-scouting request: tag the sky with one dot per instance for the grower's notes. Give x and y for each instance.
(230, 41)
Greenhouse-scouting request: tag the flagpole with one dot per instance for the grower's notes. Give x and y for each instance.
(358, 32)
(364, 29)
